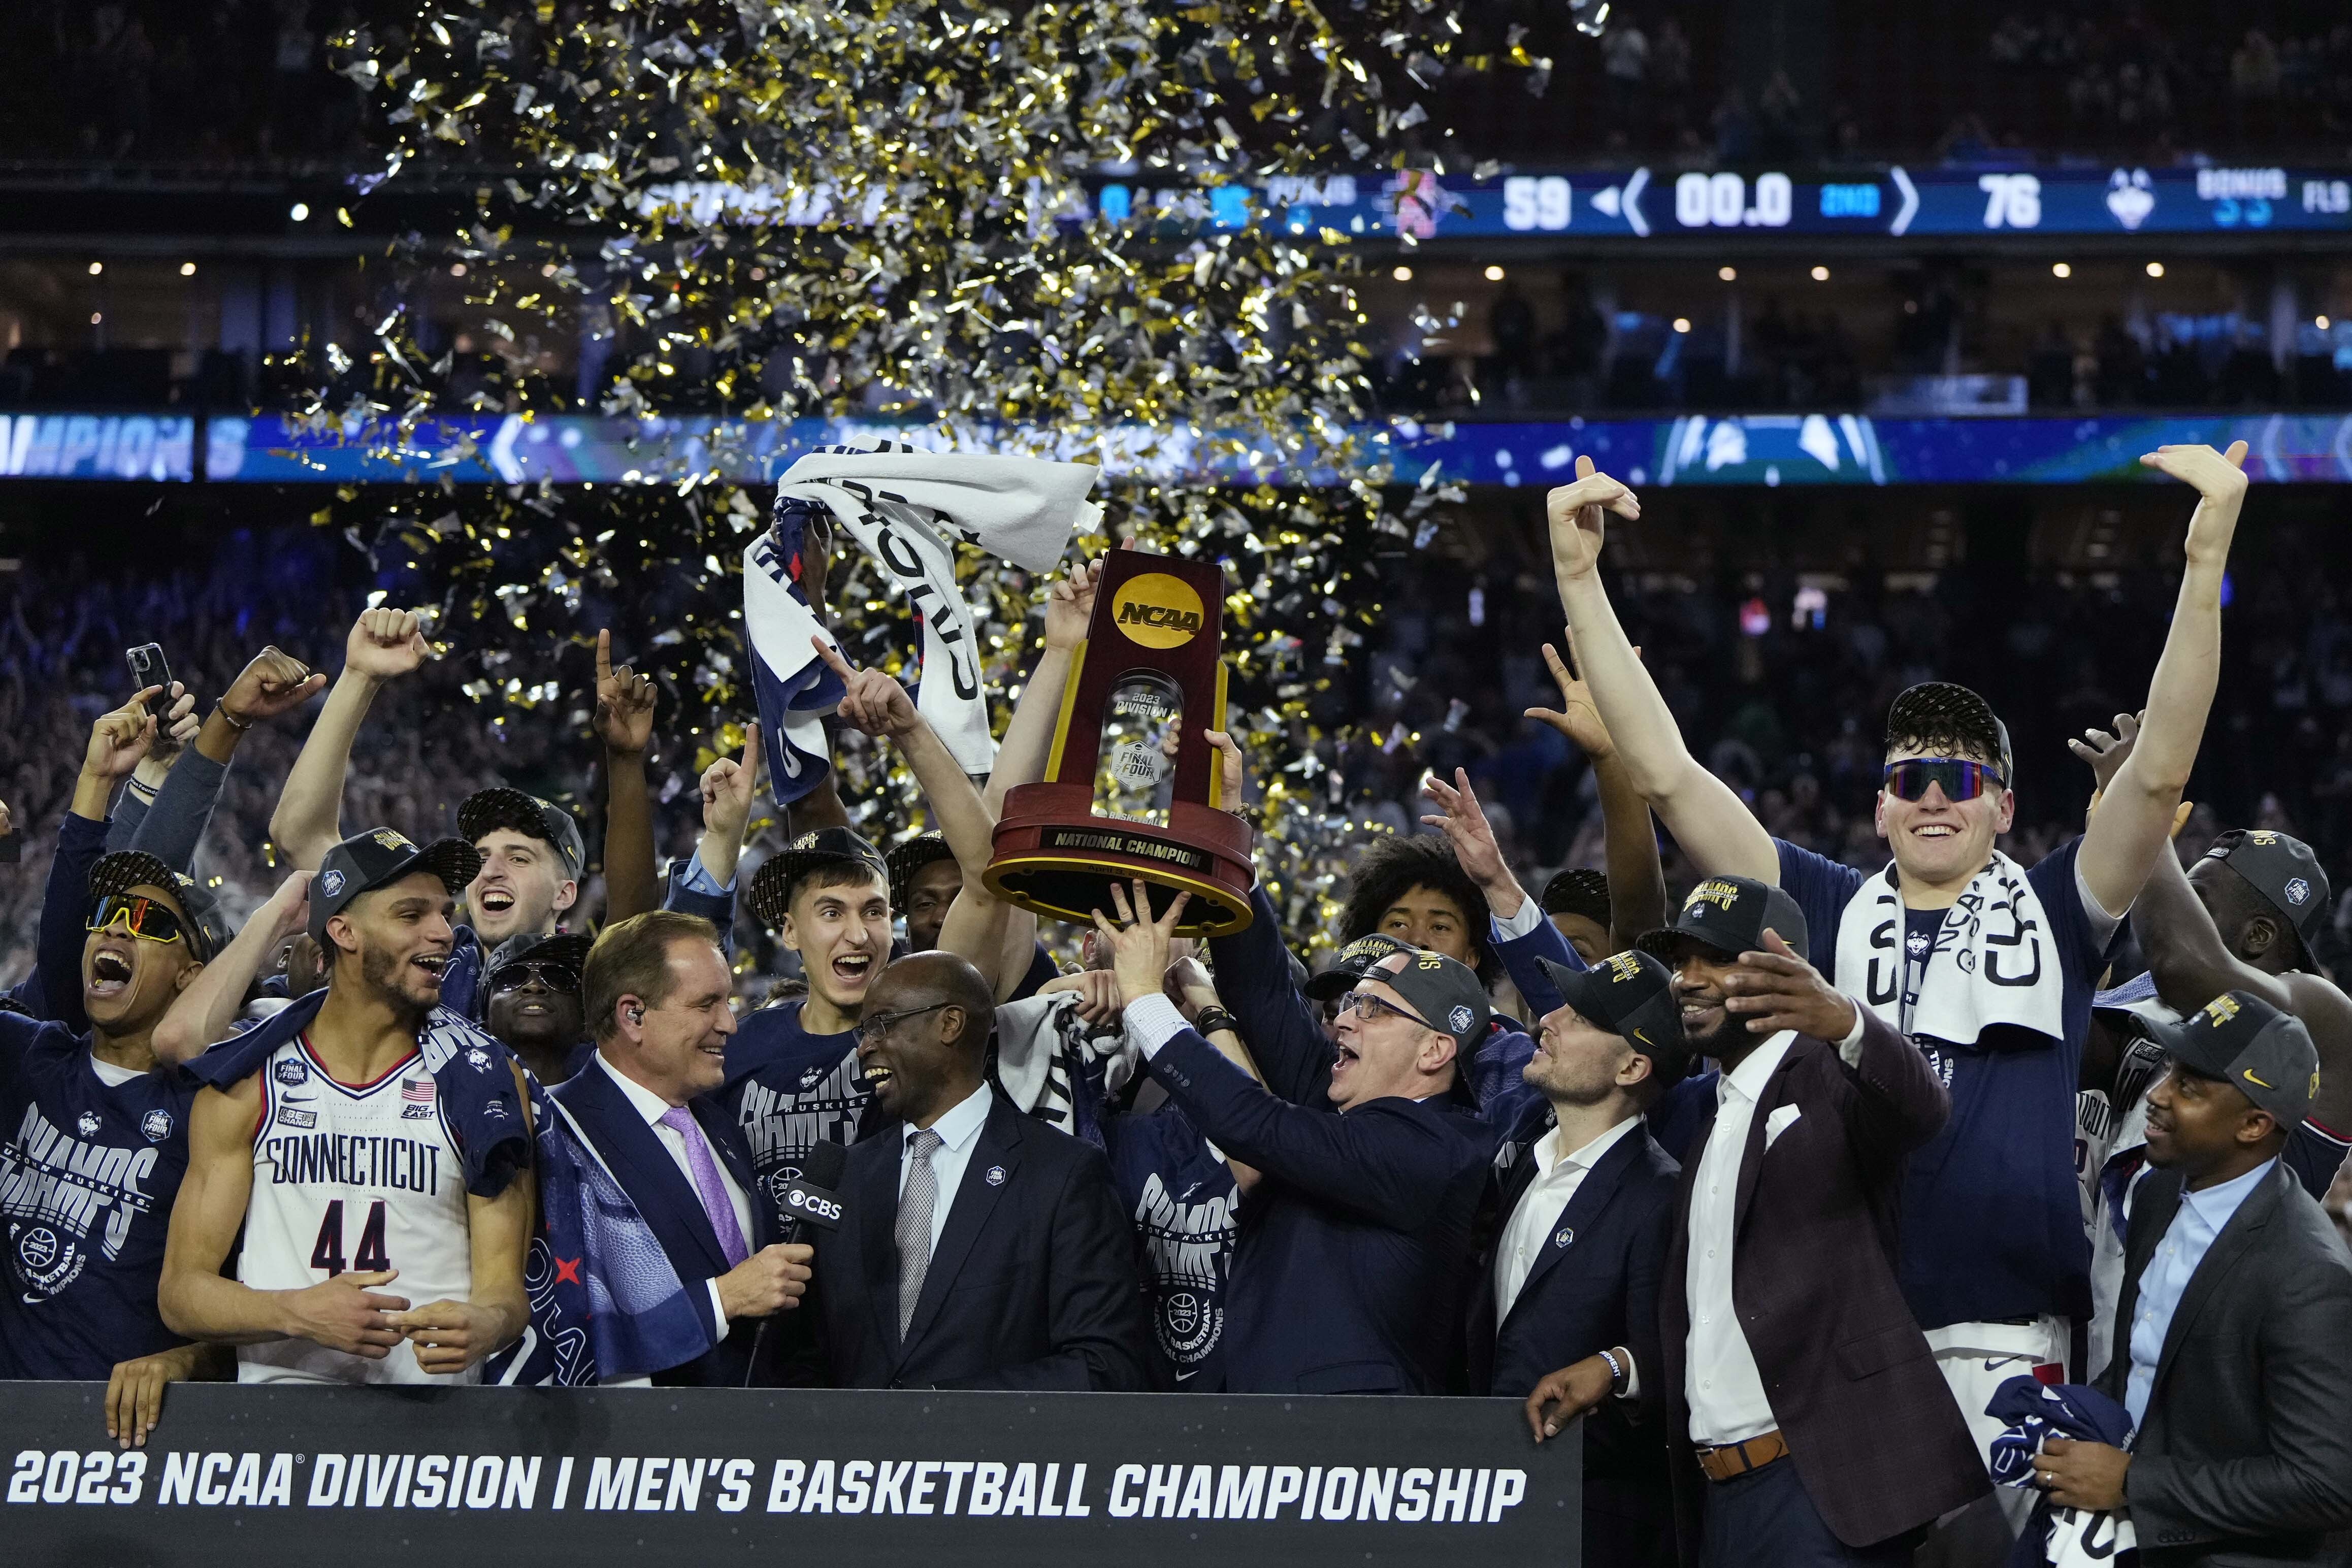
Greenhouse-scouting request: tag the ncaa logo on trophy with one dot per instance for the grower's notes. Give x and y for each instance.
(1131, 788)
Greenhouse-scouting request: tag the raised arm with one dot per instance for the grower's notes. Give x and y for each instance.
(2134, 821)
(273, 683)
(177, 726)
(1028, 741)
(624, 722)
(383, 645)
(346, 1313)
(1637, 879)
(1714, 827)
(205, 1009)
(976, 921)
(117, 742)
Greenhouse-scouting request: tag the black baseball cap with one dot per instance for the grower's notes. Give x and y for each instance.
(2243, 1040)
(120, 872)
(2283, 870)
(1629, 994)
(378, 858)
(567, 950)
(487, 810)
(1729, 914)
(1578, 890)
(771, 888)
(1447, 993)
(1355, 961)
(904, 860)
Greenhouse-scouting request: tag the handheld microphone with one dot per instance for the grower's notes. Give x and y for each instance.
(809, 1202)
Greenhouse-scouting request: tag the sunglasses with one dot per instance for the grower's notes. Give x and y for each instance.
(514, 977)
(883, 1023)
(1960, 778)
(1367, 1006)
(149, 919)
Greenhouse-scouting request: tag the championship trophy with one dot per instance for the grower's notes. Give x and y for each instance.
(1132, 789)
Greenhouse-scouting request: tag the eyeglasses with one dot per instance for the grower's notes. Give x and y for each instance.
(149, 919)
(515, 975)
(883, 1023)
(1960, 778)
(1366, 1005)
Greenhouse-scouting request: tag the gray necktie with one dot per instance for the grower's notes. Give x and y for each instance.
(915, 1208)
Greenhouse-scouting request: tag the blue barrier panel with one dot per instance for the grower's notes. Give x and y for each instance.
(253, 1475)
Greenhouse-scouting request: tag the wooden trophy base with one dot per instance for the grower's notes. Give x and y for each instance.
(1055, 857)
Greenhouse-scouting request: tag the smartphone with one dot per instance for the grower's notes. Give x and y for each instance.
(148, 669)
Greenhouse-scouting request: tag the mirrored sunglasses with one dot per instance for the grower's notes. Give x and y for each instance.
(1961, 779)
(149, 919)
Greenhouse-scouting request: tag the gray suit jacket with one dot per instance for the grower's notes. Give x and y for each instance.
(2245, 1453)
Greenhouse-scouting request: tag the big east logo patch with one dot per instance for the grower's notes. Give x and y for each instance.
(1157, 610)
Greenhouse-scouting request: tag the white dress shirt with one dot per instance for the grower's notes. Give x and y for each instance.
(1530, 1227)
(1720, 1379)
(959, 1133)
(653, 1107)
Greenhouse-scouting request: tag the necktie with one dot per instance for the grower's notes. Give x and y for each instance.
(707, 1185)
(915, 1205)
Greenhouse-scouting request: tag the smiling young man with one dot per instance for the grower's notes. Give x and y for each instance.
(793, 1076)
(359, 1136)
(1988, 966)
(536, 1010)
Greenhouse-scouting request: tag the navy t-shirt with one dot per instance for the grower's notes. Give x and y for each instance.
(788, 1089)
(1992, 1218)
(87, 1174)
(1184, 1200)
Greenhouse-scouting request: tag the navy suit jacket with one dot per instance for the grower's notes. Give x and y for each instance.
(1594, 1286)
(672, 1208)
(1032, 1284)
(1348, 1272)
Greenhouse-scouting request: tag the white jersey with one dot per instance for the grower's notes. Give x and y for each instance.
(360, 1177)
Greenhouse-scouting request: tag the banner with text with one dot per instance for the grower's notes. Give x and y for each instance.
(238, 1475)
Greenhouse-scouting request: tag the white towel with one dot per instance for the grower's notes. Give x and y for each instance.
(906, 510)
(1994, 960)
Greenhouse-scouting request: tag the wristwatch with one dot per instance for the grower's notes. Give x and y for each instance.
(1209, 1020)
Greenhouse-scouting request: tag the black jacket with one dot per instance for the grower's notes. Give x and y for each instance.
(2244, 1454)
(1032, 1284)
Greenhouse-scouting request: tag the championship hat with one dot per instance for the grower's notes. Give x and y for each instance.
(2243, 1040)
(1729, 915)
(1446, 993)
(487, 810)
(1578, 891)
(1355, 961)
(378, 858)
(2283, 870)
(905, 859)
(120, 872)
(771, 888)
(1631, 994)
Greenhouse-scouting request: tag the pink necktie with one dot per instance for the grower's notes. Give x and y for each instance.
(713, 1191)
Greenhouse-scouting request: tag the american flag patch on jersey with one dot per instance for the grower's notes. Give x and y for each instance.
(416, 1090)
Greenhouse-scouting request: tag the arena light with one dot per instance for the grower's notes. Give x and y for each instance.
(2156, 269)
(1682, 323)
(1820, 274)
(187, 269)
(1729, 274)
(2320, 321)
(1494, 275)
(95, 267)
(2060, 270)
(96, 317)
(1403, 274)
(456, 269)
(300, 212)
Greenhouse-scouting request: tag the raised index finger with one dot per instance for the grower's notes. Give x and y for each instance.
(831, 657)
(603, 657)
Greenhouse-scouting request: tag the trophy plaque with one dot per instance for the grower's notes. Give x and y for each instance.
(1132, 788)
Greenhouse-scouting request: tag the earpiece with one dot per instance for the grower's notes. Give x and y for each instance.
(636, 1014)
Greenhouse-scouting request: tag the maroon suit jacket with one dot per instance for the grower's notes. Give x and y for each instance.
(1870, 1423)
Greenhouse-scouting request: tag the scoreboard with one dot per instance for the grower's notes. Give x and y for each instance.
(1641, 204)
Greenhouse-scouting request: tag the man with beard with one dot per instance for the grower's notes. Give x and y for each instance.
(1988, 966)
(1806, 1419)
(359, 1136)
(94, 1124)
(983, 1249)
(536, 1010)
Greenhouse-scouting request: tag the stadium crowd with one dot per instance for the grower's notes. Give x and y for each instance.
(1861, 1210)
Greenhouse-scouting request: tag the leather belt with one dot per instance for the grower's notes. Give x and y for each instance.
(1733, 1459)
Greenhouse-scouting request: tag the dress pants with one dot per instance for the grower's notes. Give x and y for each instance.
(1765, 1519)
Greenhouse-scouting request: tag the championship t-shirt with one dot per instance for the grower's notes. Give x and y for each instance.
(1992, 1222)
(91, 1157)
(1185, 1201)
(789, 1091)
